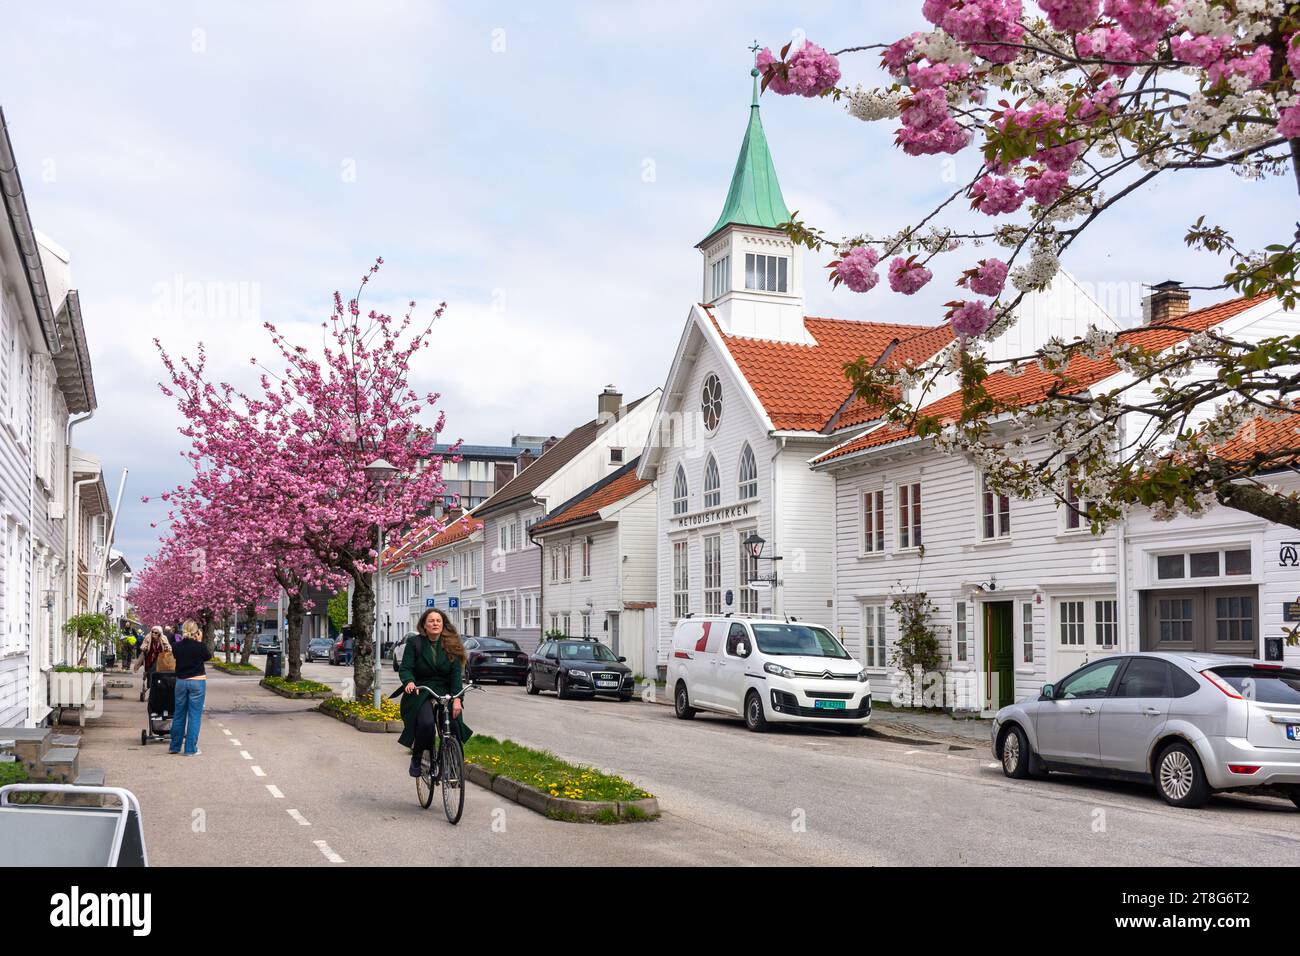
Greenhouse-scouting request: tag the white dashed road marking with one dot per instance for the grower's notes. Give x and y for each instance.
(329, 854)
(246, 755)
(302, 821)
(226, 732)
(275, 791)
(258, 772)
(235, 742)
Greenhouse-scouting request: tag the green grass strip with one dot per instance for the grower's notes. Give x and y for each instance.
(547, 772)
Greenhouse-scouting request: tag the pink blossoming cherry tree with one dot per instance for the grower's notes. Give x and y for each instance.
(1068, 109)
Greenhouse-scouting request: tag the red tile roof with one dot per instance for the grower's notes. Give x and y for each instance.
(1033, 384)
(802, 386)
(1270, 441)
(589, 502)
(426, 542)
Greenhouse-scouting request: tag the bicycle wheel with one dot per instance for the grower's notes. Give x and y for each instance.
(425, 782)
(453, 779)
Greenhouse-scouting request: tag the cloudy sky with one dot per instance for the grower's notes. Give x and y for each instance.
(544, 168)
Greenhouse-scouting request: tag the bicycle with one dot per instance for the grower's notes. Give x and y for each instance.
(449, 759)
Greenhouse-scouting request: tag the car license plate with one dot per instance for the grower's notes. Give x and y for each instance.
(504, 660)
(606, 683)
(829, 704)
(1293, 731)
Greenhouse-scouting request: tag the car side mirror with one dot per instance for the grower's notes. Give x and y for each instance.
(1048, 690)
(622, 660)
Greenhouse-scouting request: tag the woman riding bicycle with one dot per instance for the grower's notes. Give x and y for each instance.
(436, 660)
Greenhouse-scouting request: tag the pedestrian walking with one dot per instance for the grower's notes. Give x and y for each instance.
(191, 689)
(347, 647)
(150, 650)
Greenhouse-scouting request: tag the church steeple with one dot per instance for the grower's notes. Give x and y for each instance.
(753, 273)
(754, 198)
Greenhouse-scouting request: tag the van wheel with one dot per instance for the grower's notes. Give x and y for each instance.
(1016, 755)
(1179, 777)
(682, 702)
(529, 684)
(1294, 794)
(755, 719)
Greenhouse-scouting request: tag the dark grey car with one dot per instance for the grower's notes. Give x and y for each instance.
(1192, 724)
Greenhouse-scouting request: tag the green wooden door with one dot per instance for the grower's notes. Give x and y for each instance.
(999, 654)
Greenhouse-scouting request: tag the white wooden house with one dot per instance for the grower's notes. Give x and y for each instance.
(1023, 592)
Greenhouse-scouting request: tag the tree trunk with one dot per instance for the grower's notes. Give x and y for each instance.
(364, 670)
(250, 627)
(293, 642)
(206, 619)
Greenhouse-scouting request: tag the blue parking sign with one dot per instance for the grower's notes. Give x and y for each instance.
(428, 602)
(453, 602)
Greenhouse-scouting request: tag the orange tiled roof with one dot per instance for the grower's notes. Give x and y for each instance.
(1033, 384)
(802, 386)
(588, 503)
(1263, 439)
(425, 541)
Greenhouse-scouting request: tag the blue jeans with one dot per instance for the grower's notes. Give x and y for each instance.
(187, 713)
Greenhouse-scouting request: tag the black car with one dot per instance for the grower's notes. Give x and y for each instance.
(495, 658)
(574, 666)
(266, 642)
(318, 649)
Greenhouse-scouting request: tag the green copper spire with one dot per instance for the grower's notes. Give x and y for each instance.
(755, 196)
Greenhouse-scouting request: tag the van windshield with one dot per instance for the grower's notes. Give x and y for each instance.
(797, 639)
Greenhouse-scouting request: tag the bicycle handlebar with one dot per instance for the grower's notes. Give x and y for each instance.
(445, 698)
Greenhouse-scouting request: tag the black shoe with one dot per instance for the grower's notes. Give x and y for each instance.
(416, 770)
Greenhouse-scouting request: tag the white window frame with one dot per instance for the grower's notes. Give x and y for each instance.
(712, 574)
(747, 474)
(961, 622)
(720, 273)
(871, 521)
(908, 502)
(875, 646)
(681, 579)
(773, 276)
(566, 555)
(681, 492)
(586, 558)
(995, 506)
(1026, 632)
(1074, 512)
(586, 624)
(712, 483)
(747, 570)
(555, 564)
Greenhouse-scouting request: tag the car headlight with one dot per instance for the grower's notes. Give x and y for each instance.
(862, 677)
(778, 670)
(580, 675)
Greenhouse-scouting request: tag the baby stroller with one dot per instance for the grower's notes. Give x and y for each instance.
(162, 697)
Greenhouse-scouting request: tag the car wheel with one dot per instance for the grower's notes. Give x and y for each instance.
(560, 690)
(755, 719)
(1016, 755)
(624, 697)
(1294, 794)
(682, 702)
(1179, 777)
(144, 738)
(530, 685)
(852, 730)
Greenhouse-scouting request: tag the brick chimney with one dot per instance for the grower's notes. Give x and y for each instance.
(608, 404)
(525, 459)
(549, 444)
(1168, 301)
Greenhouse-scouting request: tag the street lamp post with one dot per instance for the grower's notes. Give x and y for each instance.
(378, 471)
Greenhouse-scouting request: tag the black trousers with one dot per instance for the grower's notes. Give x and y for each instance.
(426, 728)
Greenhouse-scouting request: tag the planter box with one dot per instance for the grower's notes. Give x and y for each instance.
(74, 689)
(561, 808)
(298, 694)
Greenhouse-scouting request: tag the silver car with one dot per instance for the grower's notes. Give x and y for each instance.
(1194, 724)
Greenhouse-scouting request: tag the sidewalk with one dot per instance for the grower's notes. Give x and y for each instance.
(906, 725)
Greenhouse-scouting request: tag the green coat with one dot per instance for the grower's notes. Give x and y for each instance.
(425, 662)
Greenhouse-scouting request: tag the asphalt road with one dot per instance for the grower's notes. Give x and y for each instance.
(729, 796)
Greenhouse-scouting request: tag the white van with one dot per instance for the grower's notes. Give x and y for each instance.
(767, 671)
